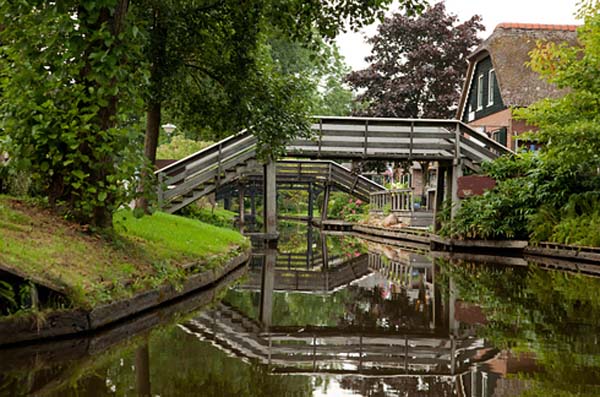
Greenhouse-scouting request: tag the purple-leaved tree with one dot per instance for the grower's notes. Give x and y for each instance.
(417, 65)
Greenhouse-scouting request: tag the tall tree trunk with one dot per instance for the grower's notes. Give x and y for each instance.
(100, 215)
(158, 48)
(153, 115)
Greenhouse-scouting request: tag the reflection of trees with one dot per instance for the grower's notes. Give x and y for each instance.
(181, 366)
(369, 309)
(347, 246)
(553, 314)
(350, 307)
(294, 308)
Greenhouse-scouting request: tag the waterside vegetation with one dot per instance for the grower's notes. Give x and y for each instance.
(92, 269)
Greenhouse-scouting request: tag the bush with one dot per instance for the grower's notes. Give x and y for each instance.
(342, 206)
(218, 217)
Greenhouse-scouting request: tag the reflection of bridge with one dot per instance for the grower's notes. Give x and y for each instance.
(338, 351)
(452, 144)
(337, 272)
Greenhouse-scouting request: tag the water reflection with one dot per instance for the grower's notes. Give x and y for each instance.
(334, 315)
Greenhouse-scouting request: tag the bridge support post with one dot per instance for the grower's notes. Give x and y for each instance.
(325, 202)
(324, 251)
(242, 208)
(311, 199)
(457, 172)
(253, 206)
(309, 249)
(227, 202)
(270, 198)
(442, 172)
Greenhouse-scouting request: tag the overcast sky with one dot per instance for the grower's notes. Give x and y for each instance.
(493, 12)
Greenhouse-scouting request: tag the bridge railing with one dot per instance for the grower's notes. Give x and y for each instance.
(398, 200)
(385, 138)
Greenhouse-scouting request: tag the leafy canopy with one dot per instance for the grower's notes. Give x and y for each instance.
(70, 78)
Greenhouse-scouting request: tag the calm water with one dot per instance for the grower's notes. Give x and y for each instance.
(339, 316)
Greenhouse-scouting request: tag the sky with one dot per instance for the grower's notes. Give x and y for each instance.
(493, 12)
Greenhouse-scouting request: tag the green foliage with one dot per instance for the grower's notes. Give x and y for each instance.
(7, 295)
(577, 222)
(498, 214)
(69, 101)
(179, 147)
(217, 217)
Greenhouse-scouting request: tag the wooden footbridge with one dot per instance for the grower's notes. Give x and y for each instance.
(450, 143)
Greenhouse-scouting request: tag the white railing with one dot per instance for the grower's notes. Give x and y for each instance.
(398, 200)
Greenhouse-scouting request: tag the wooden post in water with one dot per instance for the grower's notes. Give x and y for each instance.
(253, 207)
(311, 198)
(324, 251)
(309, 250)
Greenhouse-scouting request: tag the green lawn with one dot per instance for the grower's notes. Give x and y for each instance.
(93, 269)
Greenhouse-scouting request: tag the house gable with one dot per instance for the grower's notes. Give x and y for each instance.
(484, 96)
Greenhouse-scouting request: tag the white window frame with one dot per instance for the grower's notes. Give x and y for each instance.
(491, 86)
(480, 92)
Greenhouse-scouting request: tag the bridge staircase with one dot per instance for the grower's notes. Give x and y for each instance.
(232, 159)
(201, 173)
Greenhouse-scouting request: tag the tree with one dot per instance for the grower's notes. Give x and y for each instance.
(569, 127)
(224, 78)
(222, 55)
(69, 101)
(75, 75)
(417, 66)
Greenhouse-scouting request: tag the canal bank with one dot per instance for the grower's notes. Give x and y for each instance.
(419, 238)
(334, 315)
(60, 279)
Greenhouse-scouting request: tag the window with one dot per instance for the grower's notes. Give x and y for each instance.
(500, 136)
(480, 92)
(491, 86)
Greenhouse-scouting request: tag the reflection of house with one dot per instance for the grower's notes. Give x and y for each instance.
(498, 80)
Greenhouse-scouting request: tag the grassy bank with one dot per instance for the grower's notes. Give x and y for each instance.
(91, 269)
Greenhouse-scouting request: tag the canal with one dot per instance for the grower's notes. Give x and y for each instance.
(338, 315)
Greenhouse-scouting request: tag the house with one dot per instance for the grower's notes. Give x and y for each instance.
(498, 80)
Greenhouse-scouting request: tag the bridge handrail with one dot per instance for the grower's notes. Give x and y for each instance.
(179, 165)
(398, 199)
(499, 148)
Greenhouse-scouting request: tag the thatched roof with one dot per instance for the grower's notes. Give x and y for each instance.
(509, 47)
